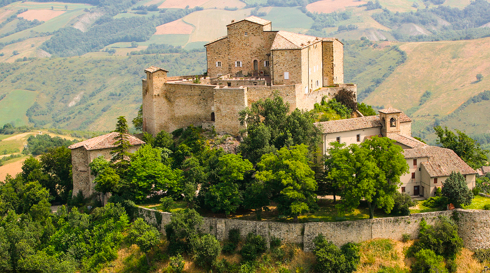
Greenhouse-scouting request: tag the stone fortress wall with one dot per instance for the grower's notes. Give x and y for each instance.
(474, 227)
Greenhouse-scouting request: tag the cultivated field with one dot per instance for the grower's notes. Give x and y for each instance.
(448, 69)
(221, 4)
(5, 13)
(281, 19)
(40, 14)
(328, 6)
(175, 27)
(211, 24)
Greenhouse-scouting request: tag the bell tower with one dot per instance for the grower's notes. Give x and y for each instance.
(390, 120)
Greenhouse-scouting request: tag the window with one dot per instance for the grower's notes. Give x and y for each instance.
(415, 162)
(435, 180)
(306, 89)
(317, 83)
(266, 63)
(392, 122)
(246, 33)
(286, 75)
(238, 64)
(218, 64)
(212, 116)
(359, 138)
(403, 189)
(338, 139)
(413, 175)
(229, 84)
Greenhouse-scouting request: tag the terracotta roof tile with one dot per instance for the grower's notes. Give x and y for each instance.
(290, 40)
(404, 118)
(407, 141)
(441, 161)
(153, 69)
(105, 142)
(345, 125)
(389, 110)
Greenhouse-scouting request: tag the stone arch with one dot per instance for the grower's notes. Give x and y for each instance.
(392, 122)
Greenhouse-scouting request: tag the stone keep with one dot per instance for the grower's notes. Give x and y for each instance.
(251, 63)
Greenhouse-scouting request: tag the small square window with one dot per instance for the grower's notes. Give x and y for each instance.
(266, 63)
(238, 64)
(415, 162)
(413, 175)
(338, 139)
(435, 180)
(218, 64)
(358, 138)
(403, 189)
(246, 33)
(286, 75)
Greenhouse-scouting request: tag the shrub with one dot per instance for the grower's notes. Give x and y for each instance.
(254, 246)
(206, 250)
(166, 203)
(275, 242)
(442, 238)
(476, 191)
(486, 207)
(234, 236)
(330, 258)
(229, 248)
(451, 266)
(436, 202)
(482, 255)
(427, 262)
(403, 202)
(456, 190)
(405, 238)
(438, 192)
(177, 264)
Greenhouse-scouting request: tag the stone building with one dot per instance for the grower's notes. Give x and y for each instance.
(429, 166)
(83, 153)
(252, 62)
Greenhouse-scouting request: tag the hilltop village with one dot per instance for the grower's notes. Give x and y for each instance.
(251, 63)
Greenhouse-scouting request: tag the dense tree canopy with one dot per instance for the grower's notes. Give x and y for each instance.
(465, 147)
(456, 190)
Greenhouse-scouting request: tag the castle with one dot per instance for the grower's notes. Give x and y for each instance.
(250, 63)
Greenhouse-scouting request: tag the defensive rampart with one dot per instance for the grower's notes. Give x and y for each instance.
(474, 227)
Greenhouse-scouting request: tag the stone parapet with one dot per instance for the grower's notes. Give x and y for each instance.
(474, 228)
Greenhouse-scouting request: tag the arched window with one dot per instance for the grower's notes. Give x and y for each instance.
(392, 122)
(212, 116)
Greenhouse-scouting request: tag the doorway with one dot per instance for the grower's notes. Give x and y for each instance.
(256, 65)
(416, 190)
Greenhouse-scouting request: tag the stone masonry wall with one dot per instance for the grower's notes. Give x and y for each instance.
(228, 102)
(474, 228)
(287, 61)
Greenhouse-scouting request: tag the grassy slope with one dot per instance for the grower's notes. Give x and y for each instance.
(281, 19)
(58, 81)
(374, 255)
(14, 106)
(447, 69)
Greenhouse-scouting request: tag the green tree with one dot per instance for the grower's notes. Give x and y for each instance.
(465, 147)
(270, 127)
(147, 174)
(206, 249)
(181, 232)
(347, 98)
(120, 154)
(138, 120)
(289, 179)
(164, 140)
(426, 261)
(365, 109)
(456, 190)
(144, 235)
(369, 171)
(329, 258)
(56, 163)
(479, 77)
(226, 196)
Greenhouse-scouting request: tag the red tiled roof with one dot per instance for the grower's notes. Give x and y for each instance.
(105, 142)
(153, 69)
(441, 161)
(352, 124)
(407, 141)
(389, 110)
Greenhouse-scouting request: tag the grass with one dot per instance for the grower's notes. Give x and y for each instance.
(478, 202)
(169, 39)
(281, 19)
(14, 106)
(449, 75)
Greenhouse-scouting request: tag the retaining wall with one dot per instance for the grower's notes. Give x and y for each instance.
(474, 227)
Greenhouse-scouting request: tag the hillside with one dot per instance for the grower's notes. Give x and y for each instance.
(450, 77)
